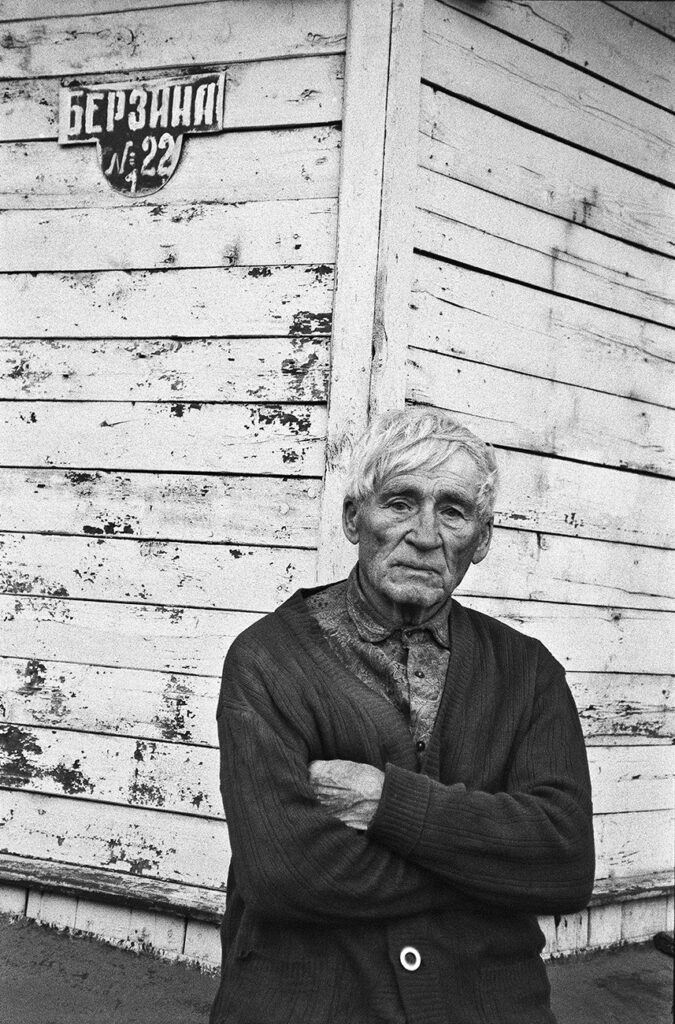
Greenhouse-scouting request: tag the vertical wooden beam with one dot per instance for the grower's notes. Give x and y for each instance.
(395, 256)
(375, 242)
(363, 137)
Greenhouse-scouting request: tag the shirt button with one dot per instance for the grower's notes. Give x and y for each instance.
(421, 745)
(410, 958)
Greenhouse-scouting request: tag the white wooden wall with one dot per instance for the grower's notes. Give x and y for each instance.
(165, 423)
(163, 419)
(542, 314)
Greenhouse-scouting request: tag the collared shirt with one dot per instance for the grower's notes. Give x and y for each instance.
(408, 665)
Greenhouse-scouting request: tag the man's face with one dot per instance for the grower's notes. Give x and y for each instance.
(417, 537)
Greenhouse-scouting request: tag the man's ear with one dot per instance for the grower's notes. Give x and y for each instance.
(349, 516)
(483, 545)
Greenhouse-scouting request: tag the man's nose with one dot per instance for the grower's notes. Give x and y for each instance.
(425, 533)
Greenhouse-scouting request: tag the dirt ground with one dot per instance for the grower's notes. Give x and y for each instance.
(47, 977)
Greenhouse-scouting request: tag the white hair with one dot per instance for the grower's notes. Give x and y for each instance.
(418, 438)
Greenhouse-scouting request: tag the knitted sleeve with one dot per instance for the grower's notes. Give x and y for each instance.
(292, 859)
(529, 847)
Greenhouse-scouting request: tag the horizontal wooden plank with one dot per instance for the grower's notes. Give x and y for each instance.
(299, 90)
(232, 300)
(624, 706)
(168, 506)
(167, 638)
(587, 639)
(654, 13)
(180, 848)
(633, 778)
(176, 639)
(173, 707)
(137, 39)
(467, 56)
(480, 148)
(298, 163)
(153, 572)
(15, 10)
(165, 369)
(536, 493)
(522, 566)
(184, 779)
(115, 769)
(159, 237)
(540, 567)
(593, 36)
(579, 500)
(193, 436)
(634, 842)
(113, 887)
(460, 312)
(180, 708)
(513, 409)
(474, 227)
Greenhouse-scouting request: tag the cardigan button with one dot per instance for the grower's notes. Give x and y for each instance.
(410, 958)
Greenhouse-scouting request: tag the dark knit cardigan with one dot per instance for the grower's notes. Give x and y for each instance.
(460, 857)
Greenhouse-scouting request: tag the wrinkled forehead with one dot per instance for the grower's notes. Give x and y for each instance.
(440, 472)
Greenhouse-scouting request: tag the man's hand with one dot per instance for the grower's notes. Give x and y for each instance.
(349, 790)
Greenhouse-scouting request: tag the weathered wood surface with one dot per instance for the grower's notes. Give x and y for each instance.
(574, 499)
(624, 706)
(514, 409)
(114, 769)
(482, 149)
(121, 888)
(522, 566)
(168, 638)
(460, 222)
(266, 94)
(587, 639)
(223, 509)
(173, 707)
(184, 779)
(361, 173)
(634, 842)
(161, 236)
(650, 12)
(541, 567)
(547, 495)
(221, 301)
(126, 41)
(153, 572)
(395, 257)
(180, 708)
(184, 848)
(467, 56)
(633, 778)
(194, 850)
(165, 369)
(175, 639)
(475, 316)
(593, 36)
(188, 436)
(13, 10)
(298, 163)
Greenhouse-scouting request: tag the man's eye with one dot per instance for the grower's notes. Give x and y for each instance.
(398, 505)
(452, 513)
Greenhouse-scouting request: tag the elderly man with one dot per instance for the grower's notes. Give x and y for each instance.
(404, 779)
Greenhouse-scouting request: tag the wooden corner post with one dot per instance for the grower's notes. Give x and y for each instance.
(374, 244)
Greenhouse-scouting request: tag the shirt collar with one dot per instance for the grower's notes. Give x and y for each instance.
(370, 626)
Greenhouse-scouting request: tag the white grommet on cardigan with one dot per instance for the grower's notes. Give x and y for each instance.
(410, 958)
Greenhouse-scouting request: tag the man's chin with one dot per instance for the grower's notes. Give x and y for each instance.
(420, 594)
